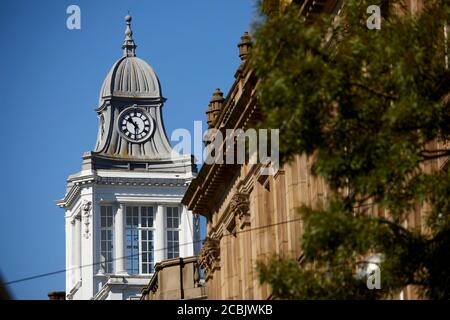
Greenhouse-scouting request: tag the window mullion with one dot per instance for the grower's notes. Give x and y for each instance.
(139, 230)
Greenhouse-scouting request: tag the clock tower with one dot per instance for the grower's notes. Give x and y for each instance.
(123, 210)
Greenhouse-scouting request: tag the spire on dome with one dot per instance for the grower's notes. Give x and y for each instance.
(129, 47)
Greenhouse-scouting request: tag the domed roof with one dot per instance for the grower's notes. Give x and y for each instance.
(130, 77)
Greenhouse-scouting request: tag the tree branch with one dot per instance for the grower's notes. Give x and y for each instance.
(373, 91)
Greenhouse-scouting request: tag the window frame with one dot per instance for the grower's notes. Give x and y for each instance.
(152, 229)
(172, 229)
(140, 229)
(105, 263)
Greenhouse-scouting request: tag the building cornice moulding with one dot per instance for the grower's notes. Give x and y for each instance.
(239, 109)
(86, 181)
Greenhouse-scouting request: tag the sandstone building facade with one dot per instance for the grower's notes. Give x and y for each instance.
(251, 216)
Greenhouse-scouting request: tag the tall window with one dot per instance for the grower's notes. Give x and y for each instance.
(139, 232)
(106, 238)
(173, 232)
(132, 239)
(147, 240)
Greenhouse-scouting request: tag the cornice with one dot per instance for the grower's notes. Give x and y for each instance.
(142, 182)
(240, 107)
(79, 183)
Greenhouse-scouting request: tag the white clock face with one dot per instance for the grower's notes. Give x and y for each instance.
(135, 125)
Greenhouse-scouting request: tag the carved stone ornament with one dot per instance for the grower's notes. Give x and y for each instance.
(209, 258)
(240, 206)
(86, 212)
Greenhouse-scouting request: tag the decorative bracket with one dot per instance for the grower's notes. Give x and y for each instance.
(240, 206)
(86, 213)
(209, 258)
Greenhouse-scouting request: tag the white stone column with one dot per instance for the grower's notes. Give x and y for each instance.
(87, 243)
(160, 236)
(119, 230)
(96, 220)
(187, 233)
(69, 253)
(77, 249)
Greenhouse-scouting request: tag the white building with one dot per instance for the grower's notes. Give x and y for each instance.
(123, 210)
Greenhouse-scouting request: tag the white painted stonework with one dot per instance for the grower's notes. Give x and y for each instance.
(122, 173)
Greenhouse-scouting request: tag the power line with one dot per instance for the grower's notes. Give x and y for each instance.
(93, 264)
(43, 275)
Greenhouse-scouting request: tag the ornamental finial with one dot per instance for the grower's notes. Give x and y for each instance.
(129, 47)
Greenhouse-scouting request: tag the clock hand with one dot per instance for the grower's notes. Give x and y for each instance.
(130, 120)
(136, 125)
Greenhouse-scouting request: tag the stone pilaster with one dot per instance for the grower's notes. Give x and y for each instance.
(119, 228)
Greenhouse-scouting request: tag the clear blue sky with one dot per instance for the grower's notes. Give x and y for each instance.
(49, 86)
